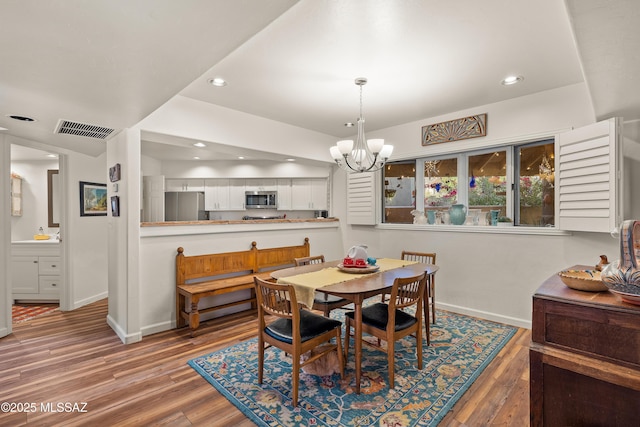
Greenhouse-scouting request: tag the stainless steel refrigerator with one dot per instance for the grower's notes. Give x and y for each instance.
(184, 206)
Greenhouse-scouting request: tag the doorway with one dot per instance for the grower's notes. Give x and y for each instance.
(36, 256)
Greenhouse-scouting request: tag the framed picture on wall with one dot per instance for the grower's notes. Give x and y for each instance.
(115, 205)
(93, 199)
(114, 173)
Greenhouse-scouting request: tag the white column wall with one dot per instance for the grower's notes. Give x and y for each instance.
(5, 238)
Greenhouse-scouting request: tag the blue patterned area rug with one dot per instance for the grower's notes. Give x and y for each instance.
(461, 347)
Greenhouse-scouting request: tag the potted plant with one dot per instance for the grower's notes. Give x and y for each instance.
(504, 221)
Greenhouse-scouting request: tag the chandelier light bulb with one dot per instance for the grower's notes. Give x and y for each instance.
(386, 151)
(375, 145)
(345, 146)
(335, 153)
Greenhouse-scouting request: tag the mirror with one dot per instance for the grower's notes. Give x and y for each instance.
(53, 197)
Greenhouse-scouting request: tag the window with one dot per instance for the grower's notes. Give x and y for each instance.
(399, 192)
(488, 186)
(535, 198)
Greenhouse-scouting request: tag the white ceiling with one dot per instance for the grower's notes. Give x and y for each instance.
(113, 62)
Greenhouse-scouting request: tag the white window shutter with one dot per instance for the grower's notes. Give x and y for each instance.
(361, 198)
(588, 177)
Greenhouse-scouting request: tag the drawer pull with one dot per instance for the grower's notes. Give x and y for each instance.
(54, 284)
(35, 262)
(53, 266)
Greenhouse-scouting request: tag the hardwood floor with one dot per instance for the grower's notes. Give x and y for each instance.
(75, 358)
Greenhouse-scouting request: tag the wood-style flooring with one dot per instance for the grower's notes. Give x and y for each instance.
(73, 358)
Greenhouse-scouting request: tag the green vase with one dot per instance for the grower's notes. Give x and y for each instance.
(458, 214)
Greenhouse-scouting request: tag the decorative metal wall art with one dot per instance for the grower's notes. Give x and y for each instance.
(455, 130)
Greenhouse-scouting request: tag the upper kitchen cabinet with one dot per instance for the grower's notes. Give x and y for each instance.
(261, 185)
(309, 194)
(184, 185)
(284, 194)
(224, 194)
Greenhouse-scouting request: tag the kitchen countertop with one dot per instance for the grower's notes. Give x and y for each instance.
(240, 221)
(34, 242)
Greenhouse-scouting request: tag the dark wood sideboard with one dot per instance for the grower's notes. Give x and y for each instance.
(584, 358)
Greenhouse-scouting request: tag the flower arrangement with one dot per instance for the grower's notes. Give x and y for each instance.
(441, 191)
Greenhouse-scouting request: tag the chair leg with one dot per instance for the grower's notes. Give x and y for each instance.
(390, 361)
(295, 379)
(326, 310)
(260, 358)
(347, 335)
(425, 309)
(432, 295)
(339, 352)
(419, 343)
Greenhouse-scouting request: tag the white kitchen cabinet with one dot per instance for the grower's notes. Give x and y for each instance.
(188, 184)
(153, 198)
(261, 184)
(284, 194)
(309, 194)
(35, 272)
(224, 194)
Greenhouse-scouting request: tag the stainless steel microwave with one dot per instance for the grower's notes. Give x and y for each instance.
(260, 200)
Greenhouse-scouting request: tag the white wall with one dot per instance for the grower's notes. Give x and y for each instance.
(85, 237)
(489, 275)
(189, 118)
(34, 199)
(5, 239)
(124, 238)
(158, 272)
(242, 169)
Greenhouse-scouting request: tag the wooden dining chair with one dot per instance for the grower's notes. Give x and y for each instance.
(322, 301)
(295, 331)
(430, 297)
(389, 322)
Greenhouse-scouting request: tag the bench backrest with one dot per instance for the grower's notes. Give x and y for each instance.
(191, 269)
(276, 258)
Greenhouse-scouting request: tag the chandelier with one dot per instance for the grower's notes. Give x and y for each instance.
(363, 156)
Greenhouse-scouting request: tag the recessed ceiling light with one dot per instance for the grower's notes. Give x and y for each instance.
(21, 118)
(240, 157)
(196, 158)
(200, 144)
(511, 80)
(217, 81)
(291, 160)
(53, 156)
(349, 125)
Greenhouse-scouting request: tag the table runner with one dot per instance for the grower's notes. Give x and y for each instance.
(305, 284)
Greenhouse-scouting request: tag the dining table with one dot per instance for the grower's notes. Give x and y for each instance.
(334, 279)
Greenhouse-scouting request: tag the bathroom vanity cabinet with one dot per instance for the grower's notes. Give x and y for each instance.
(35, 271)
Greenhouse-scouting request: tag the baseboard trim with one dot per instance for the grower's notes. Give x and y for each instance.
(157, 327)
(87, 301)
(124, 337)
(520, 323)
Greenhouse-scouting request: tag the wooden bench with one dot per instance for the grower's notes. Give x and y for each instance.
(201, 276)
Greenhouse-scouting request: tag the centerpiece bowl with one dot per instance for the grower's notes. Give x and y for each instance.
(583, 280)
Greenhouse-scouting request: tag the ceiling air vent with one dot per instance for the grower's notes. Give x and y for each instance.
(82, 129)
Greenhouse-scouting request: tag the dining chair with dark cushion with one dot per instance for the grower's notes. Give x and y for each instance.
(322, 301)
(389, 322)
(294, 331)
